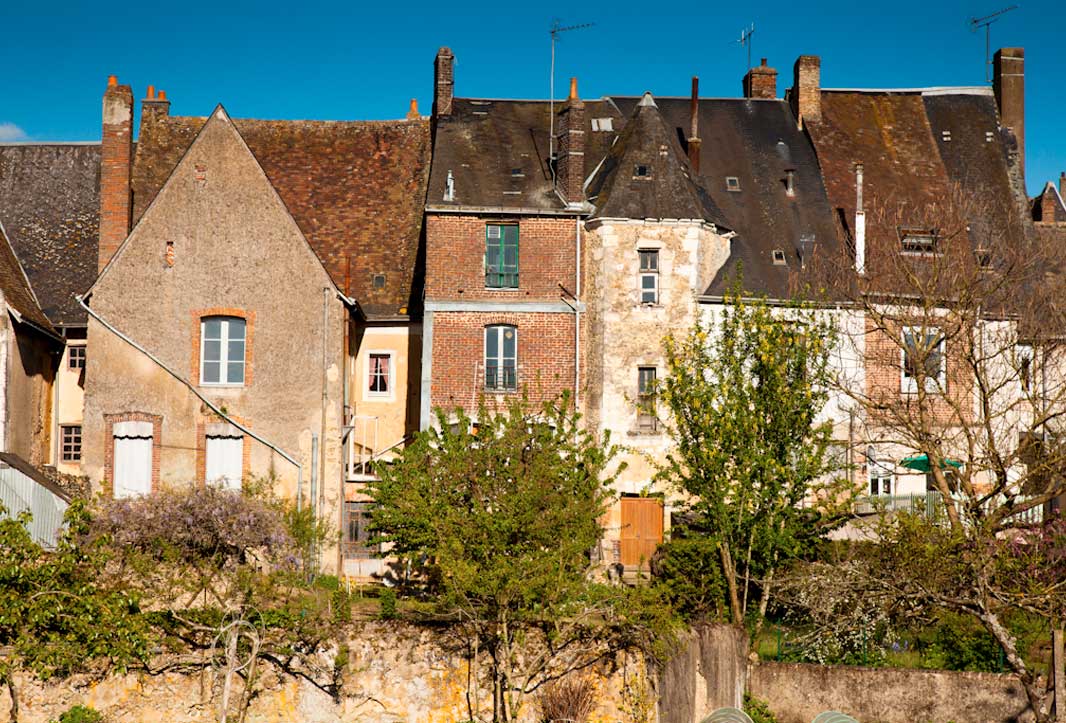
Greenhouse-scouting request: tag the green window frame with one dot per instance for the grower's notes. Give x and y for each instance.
(501, 256)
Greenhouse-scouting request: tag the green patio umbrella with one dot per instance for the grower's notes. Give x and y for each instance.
(921, 463)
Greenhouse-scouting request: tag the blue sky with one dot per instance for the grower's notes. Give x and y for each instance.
(311, 59)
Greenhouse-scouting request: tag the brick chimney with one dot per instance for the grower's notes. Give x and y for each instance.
(1062, 184)
(1048, 204)
(805, 96)
(694, 127)
(443, 82)
(1008, 82)
(116, 148)
(570, 167)
(761, 82)
(154, 107)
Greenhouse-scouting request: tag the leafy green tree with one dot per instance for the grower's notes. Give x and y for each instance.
(501, 513)
(56, 615)
(744, 391)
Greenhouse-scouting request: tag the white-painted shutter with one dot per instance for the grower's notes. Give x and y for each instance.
(132, 461)
(225, 462)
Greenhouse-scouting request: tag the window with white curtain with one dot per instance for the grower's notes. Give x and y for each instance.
(224, 463)
(379, 374)
(132, 458)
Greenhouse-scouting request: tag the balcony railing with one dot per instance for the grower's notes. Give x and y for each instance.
(931, 504)
(361, 446)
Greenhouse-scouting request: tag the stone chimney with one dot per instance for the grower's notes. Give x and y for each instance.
(694, 127)
(116, 149)
(805, 96)
(443, 82)
(1008, 82)
(761, 82)
(154, 107)
(570, 166)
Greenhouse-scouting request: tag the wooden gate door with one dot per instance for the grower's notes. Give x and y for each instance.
(642, 529)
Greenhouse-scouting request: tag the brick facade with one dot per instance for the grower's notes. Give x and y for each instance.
(110, 420)
(545, 356)
(455, 258)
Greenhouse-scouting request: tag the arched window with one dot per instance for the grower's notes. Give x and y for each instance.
(501, 358)
(222, 350)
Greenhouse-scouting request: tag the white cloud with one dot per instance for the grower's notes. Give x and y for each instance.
(10, 132)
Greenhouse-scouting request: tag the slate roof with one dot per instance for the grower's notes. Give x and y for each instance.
(665, 187)
(355, 189)
(50, 208)
(16, 289)
(497, 152)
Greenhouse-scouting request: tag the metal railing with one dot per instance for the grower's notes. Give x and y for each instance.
(931, 504)
(362, 444)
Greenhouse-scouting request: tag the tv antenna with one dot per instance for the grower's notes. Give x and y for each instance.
(986, 23)
(745, 40)
(556, 29)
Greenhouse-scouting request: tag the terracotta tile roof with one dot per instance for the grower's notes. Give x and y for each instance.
(50, 208)
(16, 289)
(355, 189)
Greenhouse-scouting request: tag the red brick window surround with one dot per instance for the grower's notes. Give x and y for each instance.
(110, 421)
(197, 351)
(211, 426)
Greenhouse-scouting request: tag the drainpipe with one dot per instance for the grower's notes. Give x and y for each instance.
(210, 405)
(577, 313)
(860, 224)
(320, 458)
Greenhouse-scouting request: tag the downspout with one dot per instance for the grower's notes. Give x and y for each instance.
(577, 315)
(321, 461)
(210, 405)
(346, 359)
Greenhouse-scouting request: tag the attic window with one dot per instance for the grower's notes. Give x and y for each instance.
(641, 172)
(918, 241)
(379, 281)
(732, 183)
(604, 125)
(984, 259)
(779, 257)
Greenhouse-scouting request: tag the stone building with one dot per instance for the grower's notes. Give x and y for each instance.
(256, 318)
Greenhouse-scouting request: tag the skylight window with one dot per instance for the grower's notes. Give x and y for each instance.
(779, 257)
(732, 183)
(918, 241)
(641, 172)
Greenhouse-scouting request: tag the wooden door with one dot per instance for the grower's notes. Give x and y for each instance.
(642, 529)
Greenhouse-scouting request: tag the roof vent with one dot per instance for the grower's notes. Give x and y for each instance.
(732, 183)
(449, 187)
(779, 257)
(379, 281)
(790, 182)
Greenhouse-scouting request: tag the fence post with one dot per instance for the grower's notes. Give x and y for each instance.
(1057, 666)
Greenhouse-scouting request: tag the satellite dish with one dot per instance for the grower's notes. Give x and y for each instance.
(832, 716)
(727, 715)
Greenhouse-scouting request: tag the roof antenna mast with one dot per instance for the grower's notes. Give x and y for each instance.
(986, 23)
(745, 40)
(556, 28)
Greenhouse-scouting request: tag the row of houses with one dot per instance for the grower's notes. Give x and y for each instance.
(212, 299)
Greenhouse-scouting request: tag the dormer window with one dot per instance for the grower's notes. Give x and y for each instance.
(641, 172)
(732, 183)
(603, 125)
(779, 257)
(918, 241)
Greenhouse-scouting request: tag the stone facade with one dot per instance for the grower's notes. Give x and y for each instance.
(27, 376)
(218, 240)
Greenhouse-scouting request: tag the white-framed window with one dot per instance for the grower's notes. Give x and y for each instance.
(132, 458)
(881, 476)
(380, 375)
(76, 357)
(224, 461)
(649, 276)
(923, 357)
(222, 350)
(501, 358)
(71, 442)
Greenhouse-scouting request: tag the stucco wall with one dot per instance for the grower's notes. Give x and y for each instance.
(797, 692)
(30, 375)
(69, 406)
(233, 248)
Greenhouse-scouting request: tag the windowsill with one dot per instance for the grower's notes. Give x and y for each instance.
(644, 305)
(503, 288)
(370, 397)
(501, 392)
(644, 433)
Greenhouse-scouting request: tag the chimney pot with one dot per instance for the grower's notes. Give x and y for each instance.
(150, 94)
(763, 62)
(412, 112)
(694, 127)
(112, 81)
(162, 95)
(573, 89)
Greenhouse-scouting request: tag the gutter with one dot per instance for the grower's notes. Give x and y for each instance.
(34, 325)
(508, 210)
(211, 405)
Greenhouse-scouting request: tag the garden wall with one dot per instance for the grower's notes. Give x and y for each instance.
(797, 692)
